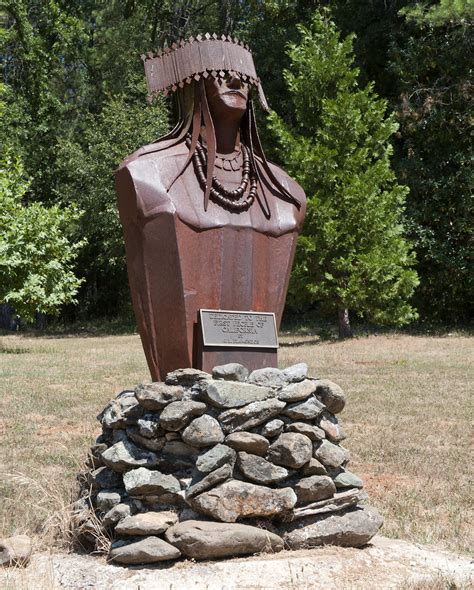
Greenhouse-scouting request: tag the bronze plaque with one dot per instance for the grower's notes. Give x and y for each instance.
(244, 329)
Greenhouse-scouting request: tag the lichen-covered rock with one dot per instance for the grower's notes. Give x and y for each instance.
(148, 550)
(309, 430)
(346, 479)
(314, 488)
(230, 372)
(176, 415)
(250, 416)
(203, 432)
(239, 499)
(296, 372)
(229, 394)
(297, 391)
(146, 523)
(268, 377)
(331, 455)
(291, 450)
(141, 482)
(307, 410)
(331, 395)
(125, 455)
(157, 395)
(210, 540)
(214, 458)
(259, 470)
(248, 442)
(186, 377)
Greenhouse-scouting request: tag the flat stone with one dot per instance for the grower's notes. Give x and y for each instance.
(307, 410)
(346, 479)
(238, 499)
(250, 416)
(141, 481)
(125, 455)
(230, 394)
(314, 467)
(331, 455)
(331, 395)
(314, 488)
(16, 551)
(146, 523)
(148, 550)
(353, 528)
(152, 444)
(157, 395)
(176, 415)
(334, 431)
(296, 372)
(273, 428)
(268, 377)
(211, 540)
(116, 514)
(230, 372)
(121, 411)
(106, 500)
(248, 442)
(203, 432)
(259, 470)
(202, 484)
(186, 377)
(296, 392)
(215, 457)
(309, 430)
(290, 450)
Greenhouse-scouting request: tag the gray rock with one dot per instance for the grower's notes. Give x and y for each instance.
(291, 450)
(146, 523)
(121, 411)
(104, 478)
(332, 428)
(176, 415)
(202, 484)
(309, 430)
(250, 416)
(238, 499)
(157, 395)
(152, 444)
(214, 458)
(106, 500)
(307, 410)
(259, 470)
(268, 377)
(353, 528)
(230, 372)
(149, 426)
(230, 394)
(331, 395)
(179, 449)
(248, 442)
(346, 479)
(314, 488)
(296, 372)
(296, 392)
(16, 551)
(314, 467)
(210, 540)
(125, 455)
(331, 455)
(273, 428)
(142, 481)
(148, 550)
(116, 514)
(186, 377)
(203, 432)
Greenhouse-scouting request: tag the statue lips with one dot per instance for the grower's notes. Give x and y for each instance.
(236, 92)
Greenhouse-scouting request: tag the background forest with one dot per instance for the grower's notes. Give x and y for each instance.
(393, 81)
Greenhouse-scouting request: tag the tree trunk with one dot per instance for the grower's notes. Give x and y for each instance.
(345, 330)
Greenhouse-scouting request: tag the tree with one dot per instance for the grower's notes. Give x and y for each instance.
(36, 257)
(352, 253)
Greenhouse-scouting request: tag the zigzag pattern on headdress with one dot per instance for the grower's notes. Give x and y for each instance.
(200, 57)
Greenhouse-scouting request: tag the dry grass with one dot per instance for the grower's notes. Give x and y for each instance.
(407, 421)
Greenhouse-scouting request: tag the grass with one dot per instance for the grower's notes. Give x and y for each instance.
(407, 419)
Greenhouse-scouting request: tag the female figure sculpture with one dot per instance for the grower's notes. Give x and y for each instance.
(208, 222)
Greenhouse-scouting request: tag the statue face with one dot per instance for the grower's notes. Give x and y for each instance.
(227, 97)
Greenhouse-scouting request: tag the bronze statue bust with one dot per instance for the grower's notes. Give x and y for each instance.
(208, 222)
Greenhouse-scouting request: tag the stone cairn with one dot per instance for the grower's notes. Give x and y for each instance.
(179, 462)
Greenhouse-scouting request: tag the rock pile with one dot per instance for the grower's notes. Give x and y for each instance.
(179, 462)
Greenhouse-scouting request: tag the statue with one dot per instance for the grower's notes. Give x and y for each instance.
(208, 222)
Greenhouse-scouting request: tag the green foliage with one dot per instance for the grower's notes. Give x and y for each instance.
(352, 253)
(36, 257)
(447, 11)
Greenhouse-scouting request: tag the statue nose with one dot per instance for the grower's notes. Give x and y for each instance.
(234, 82)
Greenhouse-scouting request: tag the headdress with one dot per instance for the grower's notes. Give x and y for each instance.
(200, 57)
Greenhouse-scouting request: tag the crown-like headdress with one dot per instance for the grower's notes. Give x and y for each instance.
(200, 57)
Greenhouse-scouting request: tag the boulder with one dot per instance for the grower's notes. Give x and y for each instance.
(214, 458)
(116, 514)
(250, 416)
(272, 429)
(203, 432)
(331, 395)
(16, 551)
(146, 523)
(149, 426)
(230, 394)
(346, 479)
(332, 428)
(124, 455)
(141, 482)
(176, 415)
(331, 455)
(291, 450)
(309, 430)
(121, 411)
(353, 528)
(157, 395)
(314, 488)
(259, 470)
(307, 410)
(211, 540)
(314, 467)
(296, 372)
(148, 550)
(238, 499)
(230, 372)
(297, 391)
(186, 377)
(268, 377)
(248, 442)
(201, 484)
(105, 500)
